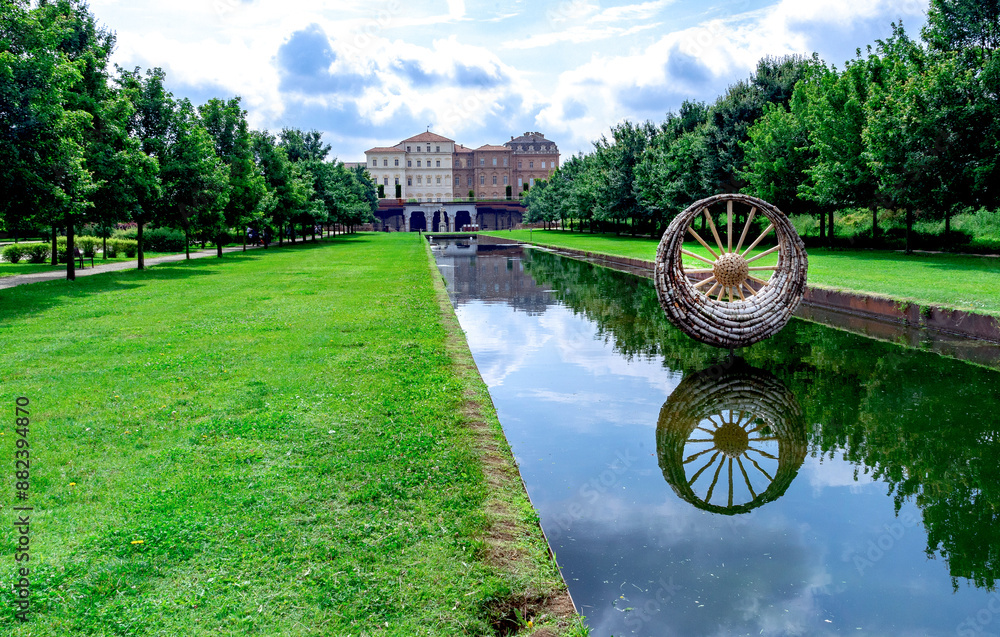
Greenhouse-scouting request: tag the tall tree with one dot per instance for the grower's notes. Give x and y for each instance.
(954, 25)
(195, 179)
(150, 127)
(226, 123)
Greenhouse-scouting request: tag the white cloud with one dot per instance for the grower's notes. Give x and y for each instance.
(609, 62)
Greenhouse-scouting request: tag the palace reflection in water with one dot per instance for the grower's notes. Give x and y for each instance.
(873, 506)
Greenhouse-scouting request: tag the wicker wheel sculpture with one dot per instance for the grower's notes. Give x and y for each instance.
(730, 443)
(747, 306)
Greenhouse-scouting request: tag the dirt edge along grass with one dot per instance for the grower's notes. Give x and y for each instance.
(514, 540)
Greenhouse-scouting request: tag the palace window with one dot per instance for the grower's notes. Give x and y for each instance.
(418, 163)
(407, 149)
(409, 163)
(494, 161)
(494, 180)
(420, 180)
(385, 162)
(385, 181)
(409, 181)
(437, 149)
(505, 180)
(439, 180)
(505, 162)
(519, 164)
(397, 161)
(531, 164)
(397, 181)
(439, 163)
(482, 161)
(543, 164)
(374, 162)
(470, 180)
(418, 149)
(482, 180)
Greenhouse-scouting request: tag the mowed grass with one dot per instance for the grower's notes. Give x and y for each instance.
(957, 281)
(272, 443)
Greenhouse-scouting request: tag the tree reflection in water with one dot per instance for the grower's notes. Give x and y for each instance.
(925, 425)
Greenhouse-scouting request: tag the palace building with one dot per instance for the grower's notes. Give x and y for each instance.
(431, 168)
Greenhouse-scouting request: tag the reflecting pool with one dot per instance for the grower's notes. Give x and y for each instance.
(822, 483)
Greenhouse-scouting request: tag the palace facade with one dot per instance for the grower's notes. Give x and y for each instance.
(432, 168)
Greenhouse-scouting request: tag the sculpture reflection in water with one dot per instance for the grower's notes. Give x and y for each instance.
(731, 438)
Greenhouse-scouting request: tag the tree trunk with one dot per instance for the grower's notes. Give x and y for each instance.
(947, 227)
(55, 247)
(187, 244)
(281, 235)
(104, 251)
(874, 223)
(909, 226)
(822, 227)
(830, 233)
(141, 264)
(70, 261)
(218, 247)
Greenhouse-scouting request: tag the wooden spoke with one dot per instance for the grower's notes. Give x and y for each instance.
(750, 290)
(746, 478)
(763, 268)
(711, 290)
(708, 431)
(746, 227)
(730, 467)
(761, 281)
(702, 242)
(694, 456)
(715, 233)
(698, 256)
(729, 233)
(699, 271)
(722, 293)
(729, 291)
(701, 440)
(715, 480)
(756, 465)
(763, 453)
(711, 461)
(759, 239)
(762, 254)
(705, 282)
(740, 292)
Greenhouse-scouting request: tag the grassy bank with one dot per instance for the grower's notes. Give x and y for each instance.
(956, 281)
(273, 443)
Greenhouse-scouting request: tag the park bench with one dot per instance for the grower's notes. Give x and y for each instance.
(79, 255)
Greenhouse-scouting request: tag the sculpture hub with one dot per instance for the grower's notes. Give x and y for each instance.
(731, 440)
(731, 270)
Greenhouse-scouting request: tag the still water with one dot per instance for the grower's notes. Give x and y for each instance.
(820, 484)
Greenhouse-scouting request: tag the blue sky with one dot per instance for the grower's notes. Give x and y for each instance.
(372, 72)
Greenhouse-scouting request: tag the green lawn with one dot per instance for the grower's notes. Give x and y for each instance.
(961, 282)
(277, 442)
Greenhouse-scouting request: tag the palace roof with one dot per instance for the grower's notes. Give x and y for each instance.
(428, 137)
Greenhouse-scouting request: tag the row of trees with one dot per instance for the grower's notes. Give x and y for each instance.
(907, 126)
(81, 142)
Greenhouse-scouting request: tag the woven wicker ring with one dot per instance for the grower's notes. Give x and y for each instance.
(736, 299)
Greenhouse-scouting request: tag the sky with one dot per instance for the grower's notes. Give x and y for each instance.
(373, 72)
